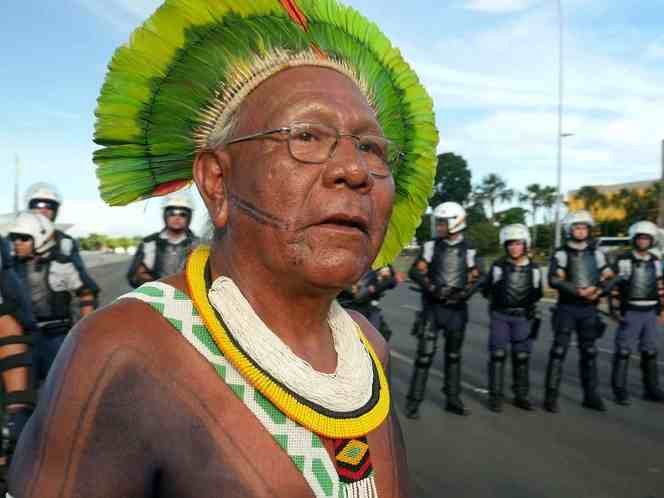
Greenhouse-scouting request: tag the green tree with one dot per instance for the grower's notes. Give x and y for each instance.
(511, 216)
(484, 237)
(537, 197)
(453, 180)
(492, 189)
(591, 197)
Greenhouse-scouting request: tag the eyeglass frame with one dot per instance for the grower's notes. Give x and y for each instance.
(287, 129)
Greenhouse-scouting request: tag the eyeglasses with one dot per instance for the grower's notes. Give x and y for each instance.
(183, 213)
(21, 237)
(316, 143)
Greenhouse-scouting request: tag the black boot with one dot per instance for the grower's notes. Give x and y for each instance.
(589, 379)
(496, 380)
(619, 377)
(418, 384)
(651, 390)
(521, 376)
(554, 373)
(452, 385)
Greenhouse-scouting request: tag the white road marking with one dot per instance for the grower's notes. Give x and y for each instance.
(435, 372)
(411, 308)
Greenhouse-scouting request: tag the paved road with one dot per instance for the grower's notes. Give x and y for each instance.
(574, 454)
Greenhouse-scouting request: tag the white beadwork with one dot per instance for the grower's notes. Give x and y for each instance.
(348, 389)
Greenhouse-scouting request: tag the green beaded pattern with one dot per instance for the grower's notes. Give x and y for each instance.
(304, 448)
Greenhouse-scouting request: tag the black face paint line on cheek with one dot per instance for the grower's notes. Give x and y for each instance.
(261, 216)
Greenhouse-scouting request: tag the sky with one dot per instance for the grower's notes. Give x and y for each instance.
(490, 65)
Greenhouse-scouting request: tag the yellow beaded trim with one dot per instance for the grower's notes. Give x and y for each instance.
(324, 425)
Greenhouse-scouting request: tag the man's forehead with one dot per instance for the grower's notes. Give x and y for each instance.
(308, 89)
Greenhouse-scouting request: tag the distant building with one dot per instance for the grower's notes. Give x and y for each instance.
(608, 213)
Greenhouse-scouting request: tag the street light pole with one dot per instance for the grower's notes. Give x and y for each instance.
(660, 214)
(560, 123)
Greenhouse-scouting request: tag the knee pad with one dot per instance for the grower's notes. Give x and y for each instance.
(589, 351)
(453, 357)
(498, 355)
(623, 353)
(522, 356)
(424, 360)
(558, 351)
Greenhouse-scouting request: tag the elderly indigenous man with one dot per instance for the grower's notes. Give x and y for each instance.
(448, 275)
(581, 275)
(313, 148)
(513, 287)
(54, 285)
(16, 324)
(641, 294)
(164, 253)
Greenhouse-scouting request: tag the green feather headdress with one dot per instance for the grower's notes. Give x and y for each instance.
(172, 88)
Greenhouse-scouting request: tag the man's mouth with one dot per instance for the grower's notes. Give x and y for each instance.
(346, 222)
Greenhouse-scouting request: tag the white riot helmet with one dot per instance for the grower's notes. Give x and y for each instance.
(644, 228)
(178, 200)
(43, 193)
(581, 217)
(517, 231)
(453, 213)
(37, 226)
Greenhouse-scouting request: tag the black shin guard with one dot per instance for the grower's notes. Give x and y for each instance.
(649, 368)
(619, 377)
(496, 380)
(521, 378)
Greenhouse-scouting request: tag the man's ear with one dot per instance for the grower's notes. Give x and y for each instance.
(211, 170)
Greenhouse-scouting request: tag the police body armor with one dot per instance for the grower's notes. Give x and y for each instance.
(515, 288)
(449, 267)
(51, 306)
(582, 268)
(170, 257)
(642, 284)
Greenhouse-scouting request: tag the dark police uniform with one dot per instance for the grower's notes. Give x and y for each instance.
(513, 292)
(446, 288)
(583, 266)
(366, 297)
(160, 256)
(639, 283)
(14, 302)
(53, 282)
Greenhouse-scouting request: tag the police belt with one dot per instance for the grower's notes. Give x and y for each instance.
(515, 312)
(55, 327)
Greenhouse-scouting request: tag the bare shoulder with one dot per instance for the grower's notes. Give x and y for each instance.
(88, 407)
(374, 337)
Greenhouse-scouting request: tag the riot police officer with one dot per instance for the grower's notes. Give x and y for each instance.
(581, 275)
(16, 325)
(447, 273)
(45, 199)
(163, 253)
(53, 282)
(640, 290)
(513, 287)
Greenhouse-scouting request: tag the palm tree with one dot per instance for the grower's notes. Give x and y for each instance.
(533, 196)
(491, 190)
(591, 197)
(549, 198)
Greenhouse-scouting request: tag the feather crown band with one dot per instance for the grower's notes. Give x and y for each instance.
(172, 89)
(248, 76)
